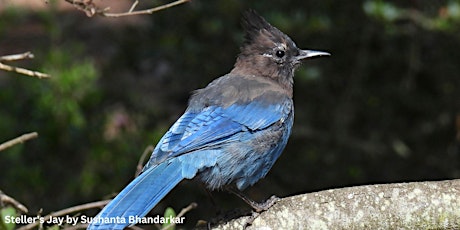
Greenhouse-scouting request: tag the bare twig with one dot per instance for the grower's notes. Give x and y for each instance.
(148, 11)
(18, 140)
(5, 199)
(133, 6)
(17, 57)
(91, 9)
(140, 164)
(67, 211)
(23, 71)
(187, 209)
(86, 6)
(182, 213)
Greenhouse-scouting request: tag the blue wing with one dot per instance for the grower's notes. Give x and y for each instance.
(215, 126)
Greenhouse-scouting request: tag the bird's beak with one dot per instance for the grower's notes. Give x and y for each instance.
(306, 54)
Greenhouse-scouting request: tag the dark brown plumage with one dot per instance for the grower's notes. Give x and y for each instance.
(268, 52)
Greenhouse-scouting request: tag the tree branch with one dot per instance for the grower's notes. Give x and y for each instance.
(67, 211)
(417, 205)
(140, 164)
(17, 57)
(91, 9)
(18, 140)
(5, 199)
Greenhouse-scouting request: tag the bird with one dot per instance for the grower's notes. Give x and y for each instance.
(231, 133)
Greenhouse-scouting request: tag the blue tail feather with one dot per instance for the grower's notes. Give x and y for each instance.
(140, 196)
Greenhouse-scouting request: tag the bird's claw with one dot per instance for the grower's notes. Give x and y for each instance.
(264, 206)
(259, 208)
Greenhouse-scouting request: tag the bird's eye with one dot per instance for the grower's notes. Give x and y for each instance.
(280, 53)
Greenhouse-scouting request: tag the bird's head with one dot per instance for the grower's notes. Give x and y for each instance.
(269, 52)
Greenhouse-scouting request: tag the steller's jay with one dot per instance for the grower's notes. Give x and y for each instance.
(231, 133)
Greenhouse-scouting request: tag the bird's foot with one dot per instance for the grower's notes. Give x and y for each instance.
(264, 206)
(259, 208)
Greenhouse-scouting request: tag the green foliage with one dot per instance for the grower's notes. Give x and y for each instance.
(4, 212)
(48, 107)
(453, 10)
(168, 215)
(447, 19)
(382, 10)
(72, 84)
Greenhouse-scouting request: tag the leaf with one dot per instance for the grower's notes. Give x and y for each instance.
(5, 213)
(54, 227)
(169, 214)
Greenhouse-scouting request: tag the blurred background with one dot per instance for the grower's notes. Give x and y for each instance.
(383, 108)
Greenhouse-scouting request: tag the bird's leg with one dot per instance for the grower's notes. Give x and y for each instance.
(258, 207)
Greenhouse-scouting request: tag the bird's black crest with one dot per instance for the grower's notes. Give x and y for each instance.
(255, 26)
(253, 23)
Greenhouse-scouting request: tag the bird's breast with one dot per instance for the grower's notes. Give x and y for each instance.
(249, 159)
